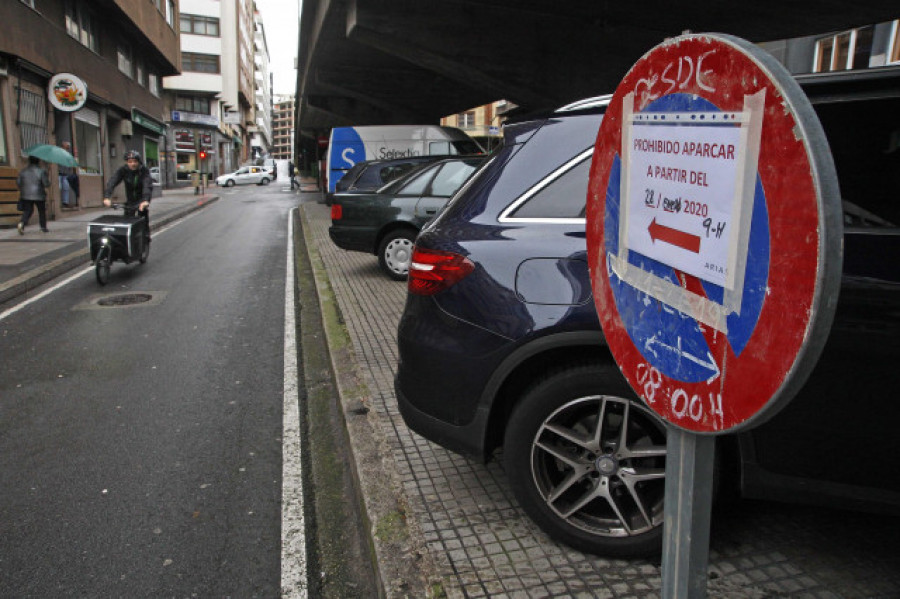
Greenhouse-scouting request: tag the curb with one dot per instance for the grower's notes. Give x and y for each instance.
(35, 278)
(399, 554)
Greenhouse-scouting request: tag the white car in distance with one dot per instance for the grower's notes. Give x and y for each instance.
(244, 176)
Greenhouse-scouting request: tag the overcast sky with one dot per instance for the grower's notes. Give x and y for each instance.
(282, 25)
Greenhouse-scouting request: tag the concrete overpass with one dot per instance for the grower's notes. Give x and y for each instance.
(413, 61)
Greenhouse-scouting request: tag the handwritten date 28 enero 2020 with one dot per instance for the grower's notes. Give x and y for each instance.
(655, 199)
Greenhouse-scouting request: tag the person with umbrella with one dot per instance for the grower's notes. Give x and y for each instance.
(57, 155)
(33, 183)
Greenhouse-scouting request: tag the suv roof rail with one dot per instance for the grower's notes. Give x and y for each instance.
(587, 103)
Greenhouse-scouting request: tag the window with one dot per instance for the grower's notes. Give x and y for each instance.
(80, 24)
(846, 50)
(123, 54)
(452, 176)
(418, 184)
(439, 148)
(32, 118)
(562, 195)
(196, 104)
(894, 45)
(466, 119)
(153, 84)
(170, 13)
(141, 74)
(200, 63)
(199, 25)
(87, 140)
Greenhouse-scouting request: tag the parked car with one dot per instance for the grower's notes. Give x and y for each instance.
(154, 174)
(245, 176)
(386, 222)
(500, 346)
(372, 175)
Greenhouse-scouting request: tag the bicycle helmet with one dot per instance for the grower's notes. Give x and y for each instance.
(132, 154)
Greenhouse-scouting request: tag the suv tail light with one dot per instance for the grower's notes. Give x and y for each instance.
(337, 212)
(432, 271)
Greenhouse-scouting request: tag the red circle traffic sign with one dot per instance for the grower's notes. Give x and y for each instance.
(714, 233)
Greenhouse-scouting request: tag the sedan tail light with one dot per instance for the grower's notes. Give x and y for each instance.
(337, 212)
(432, 271)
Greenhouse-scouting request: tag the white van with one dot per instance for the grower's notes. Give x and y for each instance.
(349, 145)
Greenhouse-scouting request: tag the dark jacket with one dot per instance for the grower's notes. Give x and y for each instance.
(138, 184)
(33, 183)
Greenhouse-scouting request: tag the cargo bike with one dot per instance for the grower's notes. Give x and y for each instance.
(116, 237)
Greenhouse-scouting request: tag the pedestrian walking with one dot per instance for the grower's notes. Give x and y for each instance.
(75, 186)
(64, 172)
(33, 182)
(291, 171)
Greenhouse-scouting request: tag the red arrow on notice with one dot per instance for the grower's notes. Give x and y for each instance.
(675, 237)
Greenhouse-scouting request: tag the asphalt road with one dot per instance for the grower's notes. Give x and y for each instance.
(141, 445)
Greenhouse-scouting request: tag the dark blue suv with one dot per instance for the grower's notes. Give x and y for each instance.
(500, 346)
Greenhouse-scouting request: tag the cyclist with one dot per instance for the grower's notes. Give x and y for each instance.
(138, 187)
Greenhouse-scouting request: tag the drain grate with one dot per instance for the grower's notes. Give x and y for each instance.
(125, 299)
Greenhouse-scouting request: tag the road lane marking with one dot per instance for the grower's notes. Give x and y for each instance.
(293, 527)
(80, 273)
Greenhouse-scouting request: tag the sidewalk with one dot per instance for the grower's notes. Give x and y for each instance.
(466, 536)
(27, 261)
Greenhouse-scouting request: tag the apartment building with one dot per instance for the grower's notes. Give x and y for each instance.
(481, 123)
(261, 131)
(87, 73)
(211, 104)
(283, 128)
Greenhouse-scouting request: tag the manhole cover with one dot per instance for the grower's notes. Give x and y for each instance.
(125, 299)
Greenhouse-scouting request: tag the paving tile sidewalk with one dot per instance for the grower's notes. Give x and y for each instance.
(27, 261)
(482, 543)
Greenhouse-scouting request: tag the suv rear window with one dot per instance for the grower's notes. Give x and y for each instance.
(562, 194)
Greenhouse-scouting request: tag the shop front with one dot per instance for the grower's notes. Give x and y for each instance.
(194, 144)
(152, 131)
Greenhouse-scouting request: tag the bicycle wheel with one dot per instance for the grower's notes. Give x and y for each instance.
(102, 266)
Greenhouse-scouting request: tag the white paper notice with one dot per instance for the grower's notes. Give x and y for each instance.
(681, 192)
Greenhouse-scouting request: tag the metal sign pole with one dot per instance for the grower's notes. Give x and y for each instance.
(688, 503)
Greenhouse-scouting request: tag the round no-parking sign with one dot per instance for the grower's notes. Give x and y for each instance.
(714, 232)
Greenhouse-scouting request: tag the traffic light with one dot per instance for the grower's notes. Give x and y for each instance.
(202, 155)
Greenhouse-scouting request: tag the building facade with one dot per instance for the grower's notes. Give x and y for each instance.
(261, 131)
(211, 107)
(283, 128)
(869, 47)
(87, 73)
(481, 123)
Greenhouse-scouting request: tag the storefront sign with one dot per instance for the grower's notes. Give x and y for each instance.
(145, 121)
(184, 140)
(193, 117)
(67, 92)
